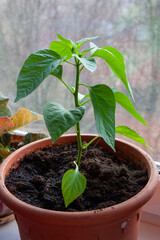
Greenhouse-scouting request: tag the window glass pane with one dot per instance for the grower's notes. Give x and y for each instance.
(131, 26)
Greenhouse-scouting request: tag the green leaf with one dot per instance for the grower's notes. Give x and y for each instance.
(94, 47)
(69, 42)
(64, 40)
(86, 51)
(84, 40)
(73, 185)
(103, 102)
(58, 119)
(4, 109)
(126, 131)
(115, 60)
(124, 101)
(88, 62)
(35, 69)
(31, 137)
(62, 48)
(57, 72)
(6, 139)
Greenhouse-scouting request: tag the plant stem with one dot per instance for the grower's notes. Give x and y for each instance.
(85, 85)
(70, 63)
(85, 102)
(77, 105)
(66, 86)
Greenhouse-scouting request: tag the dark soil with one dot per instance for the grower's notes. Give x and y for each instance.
(37, 180)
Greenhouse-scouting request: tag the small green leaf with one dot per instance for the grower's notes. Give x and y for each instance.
(124, 101)
(31, 137)
(6, 139)
(69, 42)
(86, 51)
(103, 102)
(115, 60)
(58, 119)
(35, 69)
(94, 48)
(62, 49)
(84, 40)
(126, 131)
(64, 40)
(57, 72)
(73, 185)
(88, 62)
(4, 109)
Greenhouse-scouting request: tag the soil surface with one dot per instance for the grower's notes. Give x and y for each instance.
(37, 180)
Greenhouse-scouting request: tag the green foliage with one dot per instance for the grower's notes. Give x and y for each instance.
(115, 60)
(6, 143)
(58, 119)
(103, 102)
(124, 101)
(73, 185)
(103, 98)
(35, 69)
(130, 133)
(4, 109)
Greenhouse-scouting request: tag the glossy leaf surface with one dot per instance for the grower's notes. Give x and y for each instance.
(130, 133)
(73, 185)
(58, 119)
(115, 60)
(124, 101)
(103, 102)
(35, 69)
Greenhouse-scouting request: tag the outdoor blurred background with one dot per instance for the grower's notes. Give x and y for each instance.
(131, 26)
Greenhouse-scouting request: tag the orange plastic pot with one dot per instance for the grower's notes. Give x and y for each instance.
(119, 222)
(6, 214)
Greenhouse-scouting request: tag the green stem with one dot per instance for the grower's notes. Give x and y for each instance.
(82, 84)
(85, 102)
(81, 68)
(87, 144)
(70, 63)
(66, 86)
(79, 141)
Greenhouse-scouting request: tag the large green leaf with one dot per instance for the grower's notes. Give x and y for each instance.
(4, 109)
(126, 131)
(115, 60)
(57, 72)
(73, 185)
(58, 119)
(62, 48)
(103, 102)
(35, 69)
(124, 101)
(88, 62)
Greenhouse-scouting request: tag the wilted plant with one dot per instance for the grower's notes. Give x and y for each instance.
(103, 98)
(9, 123)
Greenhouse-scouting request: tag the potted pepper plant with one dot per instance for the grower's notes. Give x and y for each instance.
(10, 139)
(101, 217)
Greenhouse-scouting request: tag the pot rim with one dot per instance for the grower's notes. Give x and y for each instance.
(109, 213)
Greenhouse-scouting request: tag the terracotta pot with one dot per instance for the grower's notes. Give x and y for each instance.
(119, 222)
(6, 214)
